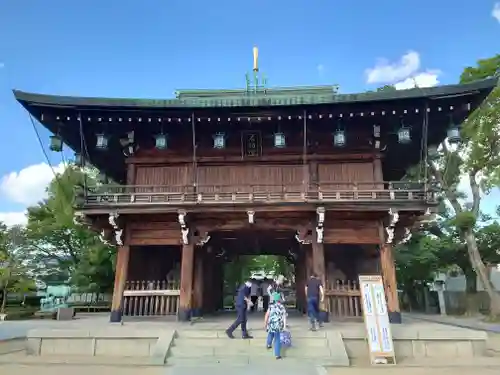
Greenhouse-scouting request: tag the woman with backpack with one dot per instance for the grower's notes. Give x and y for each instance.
(275, 323)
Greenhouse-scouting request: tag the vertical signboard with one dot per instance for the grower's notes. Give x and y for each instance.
(378, 329)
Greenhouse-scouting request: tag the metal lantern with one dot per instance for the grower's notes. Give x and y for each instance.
(279, 140)
(102, 141)
(78, 159)
(219, 140)
(161, 142)
(339, 138)
(453, 134)
(404, 135)
(432, 152)
(56, 143)
(102, 178)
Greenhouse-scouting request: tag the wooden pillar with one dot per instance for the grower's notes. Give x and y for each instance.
(208, 277)
(198, 282)
(300, 281)
(318, 259)
(122, 258)
(186, 294)
(390, 285)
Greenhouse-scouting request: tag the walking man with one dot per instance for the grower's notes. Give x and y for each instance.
(242, 303)
(254, 295)
(314, 294)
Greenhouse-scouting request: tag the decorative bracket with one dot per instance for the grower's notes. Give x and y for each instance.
(394, 218)
(407, 236)
(113, 221)
(185, 235)
(202, 240)
(251, 217)
(184, 228)
(102, 238)
(319, 227)
(221, 253)
(301, 237)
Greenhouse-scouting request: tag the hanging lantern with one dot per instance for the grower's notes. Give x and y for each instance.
(219, 141)
(102, 178)
(432, 152)
(56, 143)
(161, 141)
(339, 138)
(102, 141)
(279, 140)
(453, 134)
(404, 135)
(78, 159)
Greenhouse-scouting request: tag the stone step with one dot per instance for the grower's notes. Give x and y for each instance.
(249, 350)
(240, 343)
(236, 360)
(256, 333)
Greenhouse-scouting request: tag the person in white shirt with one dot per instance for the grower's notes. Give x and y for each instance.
(264, 285)
(254, 294)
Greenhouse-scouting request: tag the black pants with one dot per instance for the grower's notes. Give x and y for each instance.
(241, 319)
(254, 300)
(265, 302)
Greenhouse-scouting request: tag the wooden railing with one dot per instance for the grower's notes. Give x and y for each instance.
(151, 298)
(343, 299)
(234, 194)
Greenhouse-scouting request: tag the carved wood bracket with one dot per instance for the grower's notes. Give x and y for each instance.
(181, 218)
(320, 211)
(303, 237)
(113, 221)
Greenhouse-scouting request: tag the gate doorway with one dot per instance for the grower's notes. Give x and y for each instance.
(259, 255)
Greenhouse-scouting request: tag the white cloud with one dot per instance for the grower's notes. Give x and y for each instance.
(496, 11)
(386, 72)
(403, 74)
(13, 218)
(28, 186)
(423, 79)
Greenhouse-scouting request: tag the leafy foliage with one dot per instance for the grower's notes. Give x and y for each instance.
(14, 276)
(60, 250)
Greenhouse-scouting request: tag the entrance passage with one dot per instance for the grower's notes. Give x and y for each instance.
(260, 256)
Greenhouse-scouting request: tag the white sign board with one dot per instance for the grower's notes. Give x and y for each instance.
(378, 328)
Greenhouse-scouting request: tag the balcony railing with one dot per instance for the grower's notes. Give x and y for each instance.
(264, 194)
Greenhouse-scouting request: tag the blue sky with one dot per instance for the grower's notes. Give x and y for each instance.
(150, 48)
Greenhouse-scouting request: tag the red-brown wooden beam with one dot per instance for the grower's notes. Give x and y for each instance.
(122, 258)
(186, 292)
(388, 268)
(198, 282)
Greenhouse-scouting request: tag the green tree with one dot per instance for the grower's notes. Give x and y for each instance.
(61, 250)
(478, 158)
(14, 275)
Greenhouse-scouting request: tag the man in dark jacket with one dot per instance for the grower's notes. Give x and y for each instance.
(315, 294)
(242, 303)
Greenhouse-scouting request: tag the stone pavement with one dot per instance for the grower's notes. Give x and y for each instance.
(247, 370)
(457, 321)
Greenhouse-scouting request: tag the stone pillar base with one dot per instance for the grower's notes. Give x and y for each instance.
(115, 316)
(394, 317)
(184, 315)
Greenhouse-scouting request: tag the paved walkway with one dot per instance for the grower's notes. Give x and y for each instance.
(462, 322)
(247, 370)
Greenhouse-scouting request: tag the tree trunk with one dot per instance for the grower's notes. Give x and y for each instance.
(4, 301)
(482, 272)
(471, 295)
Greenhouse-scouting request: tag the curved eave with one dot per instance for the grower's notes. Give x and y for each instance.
(27, 98)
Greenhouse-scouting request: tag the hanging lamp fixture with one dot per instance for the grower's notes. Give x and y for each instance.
(453, 132)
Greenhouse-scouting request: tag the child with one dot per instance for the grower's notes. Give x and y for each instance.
(275, 323)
